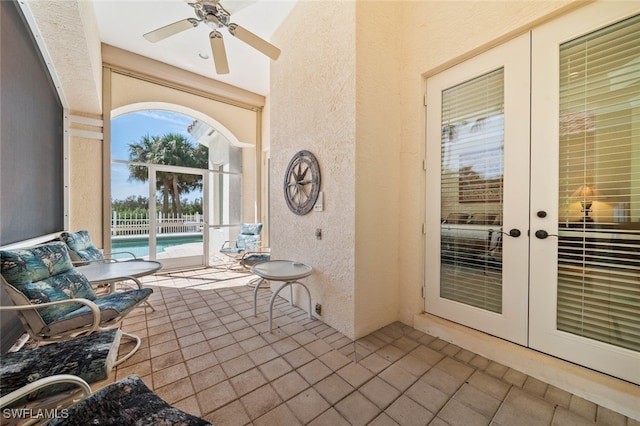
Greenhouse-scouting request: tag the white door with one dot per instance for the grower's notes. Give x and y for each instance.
(177, 238)
(585, 173)
(569, 284)
(478, 192)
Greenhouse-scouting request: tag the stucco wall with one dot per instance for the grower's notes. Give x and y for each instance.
(379, 61)
(312, 107)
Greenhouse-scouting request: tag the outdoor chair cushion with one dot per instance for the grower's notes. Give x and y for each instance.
(80, 246)
(45, 274)
(123, 403)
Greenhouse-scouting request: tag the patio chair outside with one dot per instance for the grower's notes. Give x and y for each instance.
(55, 302)
(247, 241)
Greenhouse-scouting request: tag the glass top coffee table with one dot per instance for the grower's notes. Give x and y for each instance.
(287, 271)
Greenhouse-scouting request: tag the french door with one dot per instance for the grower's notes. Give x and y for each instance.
(535, 214)
(177, 239)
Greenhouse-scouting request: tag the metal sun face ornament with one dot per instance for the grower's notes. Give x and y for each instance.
(302, 182)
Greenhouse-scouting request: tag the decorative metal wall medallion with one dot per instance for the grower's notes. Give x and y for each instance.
(302, 182)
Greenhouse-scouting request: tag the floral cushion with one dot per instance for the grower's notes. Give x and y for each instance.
(111, 306)
(125, 402)
(45, 274)
(81, 247)
(251, 228)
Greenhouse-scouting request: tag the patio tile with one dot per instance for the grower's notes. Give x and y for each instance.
(375, 363)
(489, 385)
(299, 357)
(175, 391)
(333, 388)
(238, 365)
(426, 395)
(289, 385)
(582, 407)
(524, 409)
(260, 401)
(442, 380)
(248, 381)
(314, 371)
(208, 377)
(216, 396)
(477, 400)
(163, 348)
(457, 413)
(201, 362)
(307, 405)
(355, 374)
(330, 418)
(195, 350)
(334, 360)
(170, 375)
(275, 368)
(281, 416)
(405, 411)
(232, 414)
(563, 417)
(397, 377)
(379, 392)
(357, 409)
(557, 396)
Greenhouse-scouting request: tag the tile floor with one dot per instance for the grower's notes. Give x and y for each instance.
(204, 352)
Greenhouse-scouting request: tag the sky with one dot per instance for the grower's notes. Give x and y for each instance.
(130, 128)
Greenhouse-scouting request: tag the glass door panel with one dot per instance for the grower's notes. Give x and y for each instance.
(472, 172)
(178, 222)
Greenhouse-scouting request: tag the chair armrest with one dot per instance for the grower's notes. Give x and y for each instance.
(95, 311)
(229, 244)
(110, 255)
(42, 383)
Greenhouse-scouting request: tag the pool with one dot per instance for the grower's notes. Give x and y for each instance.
(139, 244)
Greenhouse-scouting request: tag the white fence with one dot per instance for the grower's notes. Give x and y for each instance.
(139, 224)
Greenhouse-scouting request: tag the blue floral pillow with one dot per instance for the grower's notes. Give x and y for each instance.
(45, 274)
(81, 246)
(251, 228)
(34, 264)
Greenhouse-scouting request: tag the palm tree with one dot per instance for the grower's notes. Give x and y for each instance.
(169, 149)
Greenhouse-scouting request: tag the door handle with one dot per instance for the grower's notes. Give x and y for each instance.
(542, 234)
(515, 233)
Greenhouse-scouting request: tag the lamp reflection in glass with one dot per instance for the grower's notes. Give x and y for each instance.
(586, 193)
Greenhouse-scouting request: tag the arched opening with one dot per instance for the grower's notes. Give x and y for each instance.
(176, 184)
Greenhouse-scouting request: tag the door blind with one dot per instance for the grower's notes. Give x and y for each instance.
(471, 192)
(599, 186)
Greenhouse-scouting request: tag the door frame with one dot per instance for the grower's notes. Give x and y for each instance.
(183, 261)
(512, 323)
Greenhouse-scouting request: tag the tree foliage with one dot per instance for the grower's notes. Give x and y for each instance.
(169, 149)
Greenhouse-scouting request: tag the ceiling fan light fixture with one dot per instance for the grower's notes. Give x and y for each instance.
(215, 16)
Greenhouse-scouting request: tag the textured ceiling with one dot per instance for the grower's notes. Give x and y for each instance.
(72, 31)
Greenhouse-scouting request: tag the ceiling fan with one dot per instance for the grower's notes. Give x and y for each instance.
(215, 16)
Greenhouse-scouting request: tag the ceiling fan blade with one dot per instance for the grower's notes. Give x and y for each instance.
(254, 41)
(219, 53)
(171, 29)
